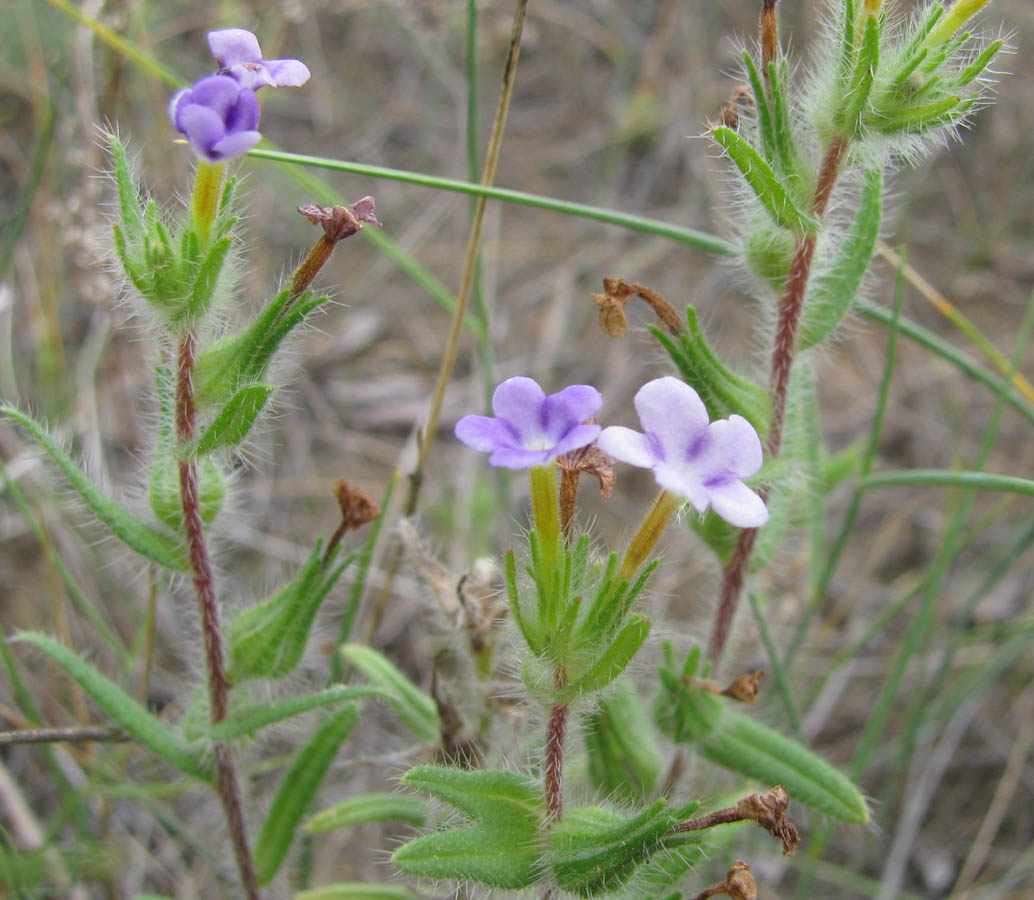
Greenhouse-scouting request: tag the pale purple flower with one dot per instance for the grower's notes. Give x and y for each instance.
(239, 56)
(701, 461)
(529, 428)
(218, 116)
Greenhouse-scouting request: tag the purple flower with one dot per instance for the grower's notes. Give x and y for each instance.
(705, 463)
(218, 116)
(239, 56)
(529, 428)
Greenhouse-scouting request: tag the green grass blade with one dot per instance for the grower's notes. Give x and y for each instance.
(702, 241)
(973, 480)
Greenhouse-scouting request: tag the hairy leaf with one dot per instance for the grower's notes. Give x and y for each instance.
(157, 546)
(297, 790)
(416, 709)
(377, 807)
(235, 420)
(499, 849)
(123, 709)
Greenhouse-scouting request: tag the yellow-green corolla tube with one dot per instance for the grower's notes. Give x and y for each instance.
(208, 186)
(954, 19)
(545, 512)
(652, 527)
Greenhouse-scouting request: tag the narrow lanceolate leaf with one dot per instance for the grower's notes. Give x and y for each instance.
(766, 127)
(593, 851)
(833, 290)
(622, 760)
(757, 751)
(500, 849)
(206, 278)
(235, 419)
(919, 118)
(130, 715)
(358, 890)
(296, 791)
(250, 719)
(763, 181)
(128, 197)
(158, 547)
(612, 662)
(417, 710)
(379, 807)
(860, 84)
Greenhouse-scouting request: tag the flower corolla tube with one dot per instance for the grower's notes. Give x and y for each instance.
(530, 428)
(703, 461)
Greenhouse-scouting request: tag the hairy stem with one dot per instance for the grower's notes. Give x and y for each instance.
(554, 764)
(783, 353)
(208, 608)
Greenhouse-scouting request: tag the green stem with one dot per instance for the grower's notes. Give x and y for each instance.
(208, 185)
(653, 525)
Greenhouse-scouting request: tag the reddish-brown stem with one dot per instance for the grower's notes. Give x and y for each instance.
(783, 352)
(208, 608)
(568, 498)
(554, 766)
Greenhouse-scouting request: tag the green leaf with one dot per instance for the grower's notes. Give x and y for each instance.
(974, 69)
(418, 711)
(160, 548)
(763, 181)
(250, 719)
(128, 195)
(499, 849)
(766, 128)
(745, 746)
(205, 279)
(850, 115)
(919, 118)
(612, 662)
(594, 851)
(378, 807)
(358, 890)
(622, 760)
(833, 290)
(297, 791)
(268, 640)
(723, 390)
(235, 419)
(130, 715)
(684, 711)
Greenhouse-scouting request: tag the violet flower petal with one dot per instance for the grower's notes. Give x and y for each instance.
(703, 462)
(529, 428)
(628, 446)
(485, 434)
(234, 46)
(570, 406)
(579, 436)
(673, 412)
(509, 458)
(287, 72)
(738, 504)
(519, 401)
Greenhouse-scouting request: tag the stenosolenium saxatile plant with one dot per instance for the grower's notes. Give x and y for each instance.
(810, 152)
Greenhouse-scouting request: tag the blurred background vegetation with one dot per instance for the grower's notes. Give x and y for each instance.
(610, 101)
